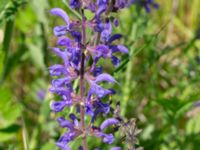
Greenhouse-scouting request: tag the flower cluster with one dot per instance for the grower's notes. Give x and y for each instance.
(80, 54)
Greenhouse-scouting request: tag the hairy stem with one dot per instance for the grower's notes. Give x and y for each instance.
(82, 109)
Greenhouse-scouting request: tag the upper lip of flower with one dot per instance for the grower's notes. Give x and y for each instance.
(61, 13)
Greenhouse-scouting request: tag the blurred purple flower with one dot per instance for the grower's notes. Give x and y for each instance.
(116, 148)
(41, 94)
(197, 104)
(147, 4)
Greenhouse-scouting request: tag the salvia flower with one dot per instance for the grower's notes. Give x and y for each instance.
(80, 54)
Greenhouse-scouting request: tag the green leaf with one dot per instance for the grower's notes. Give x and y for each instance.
(9, 111)
(193, 125)
(9, 9)
(89, 15)
(26, 20)
(122, 65)
(13, 61)
(11, 128)
(12, 113)
(7, 42)
(49, 146)
(3, 4)
(6, 136)
(37, 55)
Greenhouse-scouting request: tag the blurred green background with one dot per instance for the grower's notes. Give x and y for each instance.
(158, 83)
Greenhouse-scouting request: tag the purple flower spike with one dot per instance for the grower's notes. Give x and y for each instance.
(108, 122)
(81, 52)
(60, 13)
